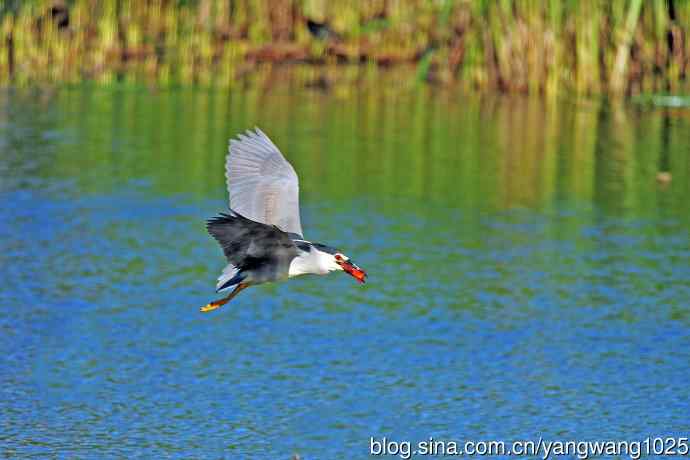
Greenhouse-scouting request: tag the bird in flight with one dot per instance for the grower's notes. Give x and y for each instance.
(261, 235)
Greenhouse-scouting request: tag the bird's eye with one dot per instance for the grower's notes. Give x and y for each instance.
(338, 257)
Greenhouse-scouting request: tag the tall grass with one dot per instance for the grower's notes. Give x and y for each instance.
(585, 46)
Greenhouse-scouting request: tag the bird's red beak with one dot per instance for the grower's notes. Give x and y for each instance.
(353, 270)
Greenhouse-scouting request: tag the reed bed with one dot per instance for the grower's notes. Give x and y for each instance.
(582, 46)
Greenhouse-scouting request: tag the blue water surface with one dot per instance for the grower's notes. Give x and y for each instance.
(521, 285)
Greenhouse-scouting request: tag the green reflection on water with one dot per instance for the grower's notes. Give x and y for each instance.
(459, 151)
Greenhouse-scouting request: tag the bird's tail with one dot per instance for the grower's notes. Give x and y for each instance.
(231, 276)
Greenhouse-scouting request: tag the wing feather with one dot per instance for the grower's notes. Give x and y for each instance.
(262, 185)
(246, 242)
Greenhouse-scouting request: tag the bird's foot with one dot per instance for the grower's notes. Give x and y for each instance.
(219, 303)
(210, 306)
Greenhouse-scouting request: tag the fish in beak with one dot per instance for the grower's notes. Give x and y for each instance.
(353, 270)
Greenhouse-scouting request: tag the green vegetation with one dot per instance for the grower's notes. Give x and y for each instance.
(583, 46)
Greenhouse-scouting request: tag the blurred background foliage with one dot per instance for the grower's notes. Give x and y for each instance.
(582, 46)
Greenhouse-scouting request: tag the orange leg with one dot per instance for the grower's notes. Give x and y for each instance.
(219, 303)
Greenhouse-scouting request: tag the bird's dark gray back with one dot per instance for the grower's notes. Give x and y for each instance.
(251, 246)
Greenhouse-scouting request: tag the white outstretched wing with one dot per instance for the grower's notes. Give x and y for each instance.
(262, 185)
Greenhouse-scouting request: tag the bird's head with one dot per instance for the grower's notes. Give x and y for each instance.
(336, 260)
